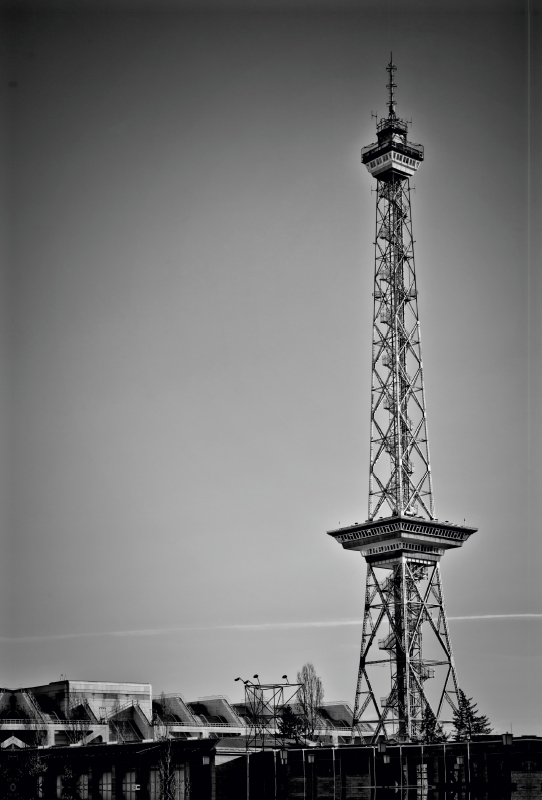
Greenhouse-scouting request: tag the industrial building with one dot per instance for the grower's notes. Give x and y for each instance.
(89, 712)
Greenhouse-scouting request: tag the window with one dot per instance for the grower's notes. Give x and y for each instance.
(82, 787)
(421, 781)
(129, 783)
(154, 785)
(178, 781)
(105, 791)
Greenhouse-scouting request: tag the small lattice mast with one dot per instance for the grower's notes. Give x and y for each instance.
(398, 679)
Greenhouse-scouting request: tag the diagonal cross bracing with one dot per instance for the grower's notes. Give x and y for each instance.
(397, 605)
(398, 414)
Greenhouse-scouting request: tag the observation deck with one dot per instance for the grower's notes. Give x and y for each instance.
(384, 541)
(392, 156)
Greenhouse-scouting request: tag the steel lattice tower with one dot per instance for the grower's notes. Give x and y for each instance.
(404, 605)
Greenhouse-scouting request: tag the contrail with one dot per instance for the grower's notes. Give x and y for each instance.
(256, 626)
(499, 616)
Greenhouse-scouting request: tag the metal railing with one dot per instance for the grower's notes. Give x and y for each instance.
(395, 122)
(319, 731)
(33, 723)
(425, 673)
(388, 642)
(125, 707)
(171, 699)
(157, 721)
(413, 150)
(388, 702)
(33, 703)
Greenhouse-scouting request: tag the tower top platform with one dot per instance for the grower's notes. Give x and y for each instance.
(392, 156)
(383, 541)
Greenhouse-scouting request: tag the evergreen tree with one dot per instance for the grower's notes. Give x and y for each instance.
(289, 724)
(467, 721)
(430, 730)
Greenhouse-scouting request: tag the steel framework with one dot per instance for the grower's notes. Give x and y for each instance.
(400, 473)
(264, 704)
(398, 601)
(404, 605)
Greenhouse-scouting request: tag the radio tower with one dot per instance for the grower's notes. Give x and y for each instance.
(401, 684)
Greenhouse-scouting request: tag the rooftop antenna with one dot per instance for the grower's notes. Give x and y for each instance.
(391, 86)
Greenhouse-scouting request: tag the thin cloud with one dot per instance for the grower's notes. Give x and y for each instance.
(256, 626)
(499, 616)
(262, 626)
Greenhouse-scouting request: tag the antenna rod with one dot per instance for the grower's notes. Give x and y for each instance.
(391, 86)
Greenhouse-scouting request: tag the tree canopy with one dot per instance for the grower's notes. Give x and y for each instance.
(290, 725)
(310, 697)
(468, 723)
(431, 730)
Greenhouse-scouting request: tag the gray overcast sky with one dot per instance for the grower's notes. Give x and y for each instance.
(186, 341)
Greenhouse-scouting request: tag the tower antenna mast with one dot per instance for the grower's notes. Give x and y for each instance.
(391, 68)
(403, 545)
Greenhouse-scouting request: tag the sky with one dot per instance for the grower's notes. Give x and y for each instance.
(185, 339)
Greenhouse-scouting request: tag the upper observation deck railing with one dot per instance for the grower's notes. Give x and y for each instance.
(394, 122)
(410, 149)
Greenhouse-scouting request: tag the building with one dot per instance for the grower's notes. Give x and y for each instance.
(68, 712)
(494, 767)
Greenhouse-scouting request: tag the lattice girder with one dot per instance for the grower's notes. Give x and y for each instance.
(404, 608)
(398, 414)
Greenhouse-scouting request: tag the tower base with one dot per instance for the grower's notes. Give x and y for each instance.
(400, 688)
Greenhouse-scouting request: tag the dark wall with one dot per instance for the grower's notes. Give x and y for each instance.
(125, 765)
(485, 770)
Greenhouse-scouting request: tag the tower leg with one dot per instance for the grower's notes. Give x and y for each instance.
(406, 662)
